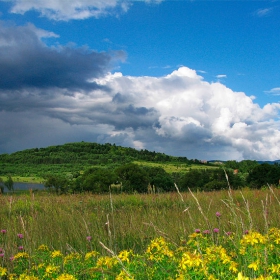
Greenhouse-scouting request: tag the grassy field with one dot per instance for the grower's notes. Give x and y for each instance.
(130, 222)
(174, 167)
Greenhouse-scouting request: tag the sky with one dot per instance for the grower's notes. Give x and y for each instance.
(199, 79)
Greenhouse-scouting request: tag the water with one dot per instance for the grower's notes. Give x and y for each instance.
(26, 186)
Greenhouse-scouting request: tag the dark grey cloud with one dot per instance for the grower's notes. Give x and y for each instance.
(26, 62)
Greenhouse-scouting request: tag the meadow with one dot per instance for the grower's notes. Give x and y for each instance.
(227, 234)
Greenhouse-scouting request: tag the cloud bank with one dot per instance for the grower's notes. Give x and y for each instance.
(52, 95)
(65, 10)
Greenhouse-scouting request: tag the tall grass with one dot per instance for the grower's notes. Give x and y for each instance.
(130, 221)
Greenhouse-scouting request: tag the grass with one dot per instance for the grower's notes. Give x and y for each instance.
(174, 167)
(21, 179)
(130, 222)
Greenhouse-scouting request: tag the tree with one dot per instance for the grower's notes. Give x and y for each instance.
(58, 183)
(98, 181)
(9, 183)
(1, 186)
(264, 174)
(159, 178)
(133, 178)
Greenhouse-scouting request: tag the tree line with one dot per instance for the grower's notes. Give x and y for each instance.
(131, 178)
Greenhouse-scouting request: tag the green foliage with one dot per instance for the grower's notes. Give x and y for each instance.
(97, 180)
(159, 178)
(57, 183)
(243, 166)
(210, 179)
(133, 178)
(264, 174)
(1, 186)
(9, 183)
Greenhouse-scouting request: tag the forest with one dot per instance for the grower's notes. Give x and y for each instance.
(100, 168)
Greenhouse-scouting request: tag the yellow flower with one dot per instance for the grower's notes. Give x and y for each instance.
(158, 249)
(21, 255)
(3, 271)
(275, 268)
(253, 265)
(90, 255)
(50, 269)
(241, 277)
(66, 276)
(56, 254)
(190, 260)
(106, 261)
(124, 276)
(27, 277)
(71, 257)
(43, 248)
(233, 267)
(123, 256)
(253, 238)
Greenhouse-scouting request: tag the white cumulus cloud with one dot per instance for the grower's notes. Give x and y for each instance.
(67, 9)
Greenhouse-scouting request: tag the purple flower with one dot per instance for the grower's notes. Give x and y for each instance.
(2, 255)
(207, 231)
(3, 231)
(20, 235)
(20, 248)
(11, 258)
(218, 214)
(216, 230)
(246, 231)
(229, 233)
(197, 230)
(1, 250)
(89, 238)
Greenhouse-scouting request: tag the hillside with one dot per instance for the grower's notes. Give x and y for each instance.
(76, 157)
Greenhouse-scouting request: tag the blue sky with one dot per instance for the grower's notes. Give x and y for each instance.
(199, 79)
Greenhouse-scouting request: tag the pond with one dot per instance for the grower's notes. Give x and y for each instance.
(26, 186)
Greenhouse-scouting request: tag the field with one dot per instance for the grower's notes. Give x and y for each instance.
(137, 224)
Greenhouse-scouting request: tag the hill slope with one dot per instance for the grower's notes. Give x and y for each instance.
(74, 157)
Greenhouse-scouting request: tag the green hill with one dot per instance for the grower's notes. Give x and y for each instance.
(77, 157)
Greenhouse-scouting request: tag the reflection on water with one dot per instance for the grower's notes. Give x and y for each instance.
(26, 186)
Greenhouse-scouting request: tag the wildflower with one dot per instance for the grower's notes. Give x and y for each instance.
(66, 276)
(1, 250)
(216, 230)
(207, 231)
(2, 255)
(20, 235)
(123, 256)
(229, 233)
(89, 238)
(218, 214)
(3, 231)
(27, 277)
(246, 231)
(253, 238)
(56, 254)
(22, 255)
(124, 276)
(254, 266)
(20, 248)
(50, 269)
(72, 257)
(3, 271)
(275, 268)
(43, 248)
(241, 277)
(107, 262)
(197, 230)
(190, 260)
(12, 258)
(90, 255)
